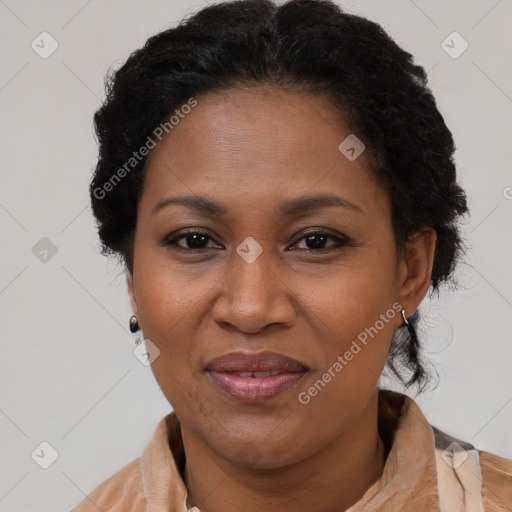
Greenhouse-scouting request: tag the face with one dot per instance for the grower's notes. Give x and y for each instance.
(248, 273)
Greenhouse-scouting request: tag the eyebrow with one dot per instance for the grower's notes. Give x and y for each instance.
(287, 209)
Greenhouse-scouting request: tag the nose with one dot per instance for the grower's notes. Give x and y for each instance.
(255, 296)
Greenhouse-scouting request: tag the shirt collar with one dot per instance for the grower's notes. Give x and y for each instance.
(409, 479)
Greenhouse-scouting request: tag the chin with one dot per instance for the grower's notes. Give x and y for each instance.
(263, 452)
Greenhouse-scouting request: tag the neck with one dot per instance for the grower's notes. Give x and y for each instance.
(331, 480)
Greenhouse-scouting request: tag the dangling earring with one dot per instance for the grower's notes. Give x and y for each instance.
(413, 348)
(134, 324)
(414, 342)
(404, 318)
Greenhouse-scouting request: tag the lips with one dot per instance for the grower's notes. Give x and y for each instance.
(254, 378)
(259, 362)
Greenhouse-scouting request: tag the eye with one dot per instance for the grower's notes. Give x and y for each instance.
(316, 241)
(192, 240)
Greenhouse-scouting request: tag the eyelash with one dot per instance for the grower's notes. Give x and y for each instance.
(341, 241)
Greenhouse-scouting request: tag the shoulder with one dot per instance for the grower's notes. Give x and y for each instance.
(496, 482)
(122, 492)
(481, 476)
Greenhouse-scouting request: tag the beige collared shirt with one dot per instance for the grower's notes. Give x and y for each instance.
(425, 470)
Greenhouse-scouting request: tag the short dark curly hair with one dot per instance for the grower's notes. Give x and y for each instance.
(315, 46)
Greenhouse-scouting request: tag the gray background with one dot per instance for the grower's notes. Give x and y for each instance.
(68, 375)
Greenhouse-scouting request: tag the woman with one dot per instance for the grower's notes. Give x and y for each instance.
(280, 186)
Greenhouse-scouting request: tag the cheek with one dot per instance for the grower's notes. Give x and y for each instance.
(169, 294)
(356, 325)
(165, 306)
(353, 296)
(357, 320)
(173, 302)
(355, 316)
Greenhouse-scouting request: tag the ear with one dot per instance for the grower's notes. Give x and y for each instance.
(415, 269)
(131, 291)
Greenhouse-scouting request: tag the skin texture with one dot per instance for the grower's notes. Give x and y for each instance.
(251, 150)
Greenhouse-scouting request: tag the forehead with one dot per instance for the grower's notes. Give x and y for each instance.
(235, 114)
(256, 144)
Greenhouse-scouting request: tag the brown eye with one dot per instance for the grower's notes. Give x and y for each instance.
(316, 241)
(192, 240)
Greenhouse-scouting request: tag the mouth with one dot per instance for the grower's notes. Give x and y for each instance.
(254, 378)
